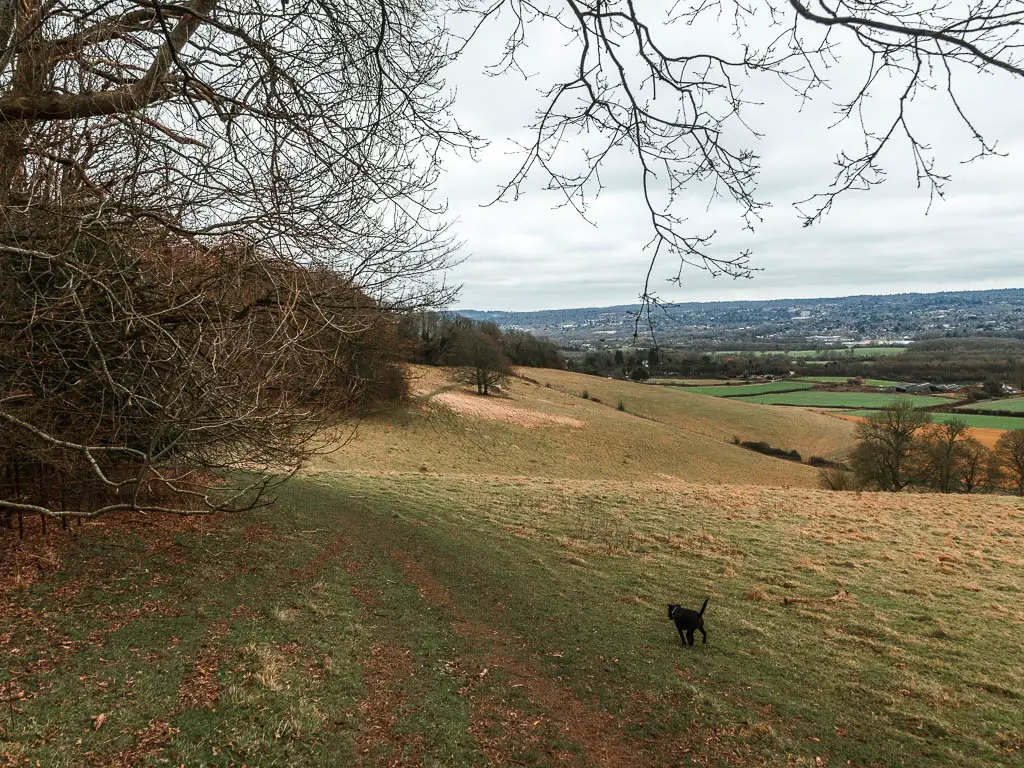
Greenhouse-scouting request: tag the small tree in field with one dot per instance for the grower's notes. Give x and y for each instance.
(884, 455)
(973, 460)
(1009, 454)
(480, 360)
(943, 455)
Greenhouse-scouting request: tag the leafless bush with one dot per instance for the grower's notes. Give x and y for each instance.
(136, 369)
(838, 479)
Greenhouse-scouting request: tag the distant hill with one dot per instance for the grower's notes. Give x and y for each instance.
(888, 319)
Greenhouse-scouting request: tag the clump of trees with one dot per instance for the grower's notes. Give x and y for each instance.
(480, 359)
(210, 215)
(642, 363)
(900, 447)
(137, 369)
(991, 360)
(441, 338)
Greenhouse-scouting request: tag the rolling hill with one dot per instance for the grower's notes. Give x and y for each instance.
(535, 430)
(720, 419)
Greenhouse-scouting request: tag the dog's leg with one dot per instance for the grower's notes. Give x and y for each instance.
(689, 636)
(705, 634)
(682, 637)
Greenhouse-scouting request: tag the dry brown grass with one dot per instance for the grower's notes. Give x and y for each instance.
(535, 431)
(811, 433)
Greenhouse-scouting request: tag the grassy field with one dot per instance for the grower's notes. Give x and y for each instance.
(695, 382)
(465, 615)
(745, 390)
(407, 619)
(825, 399)
(542, 432)
(973, 420)
(1009, 404)
(826, 353)
(721, 419)
(844, 379)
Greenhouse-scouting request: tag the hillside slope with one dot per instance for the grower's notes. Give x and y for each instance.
(534, 431)
(809, 432)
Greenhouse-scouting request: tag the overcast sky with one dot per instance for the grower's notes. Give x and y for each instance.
(526, 254)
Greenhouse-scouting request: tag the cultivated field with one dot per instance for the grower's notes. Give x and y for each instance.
(979, 421)
(467, 616)
(827, 399)
(746, 390)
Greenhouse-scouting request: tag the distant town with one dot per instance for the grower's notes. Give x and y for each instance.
(894, 320)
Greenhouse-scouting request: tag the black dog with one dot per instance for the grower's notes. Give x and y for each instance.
(688, 621)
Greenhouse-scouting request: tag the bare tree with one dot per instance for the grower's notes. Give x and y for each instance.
(480, 359)
(884, 456)
(943, 454)
(206, 212)
(1009, 453)
(974, 458)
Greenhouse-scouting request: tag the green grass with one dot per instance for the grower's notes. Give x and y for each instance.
(826, 399)
(1009, 404)
(877, 351)
(824, 354)
(972, 419)
(439, 621)
(691, 382)
(745, 390)
(844, 379)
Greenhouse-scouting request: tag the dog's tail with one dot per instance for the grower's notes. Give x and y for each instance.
(704, 606)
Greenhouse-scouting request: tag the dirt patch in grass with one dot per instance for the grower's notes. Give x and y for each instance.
(493, 409)
(148, 742)
(334, 548)
(200, 690)
(384, 673)
(504, 731)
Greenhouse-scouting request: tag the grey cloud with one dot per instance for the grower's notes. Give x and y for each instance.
(528, 255)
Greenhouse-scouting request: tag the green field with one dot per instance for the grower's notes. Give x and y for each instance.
(826, 399)
(745, 390)
(972, 419)
(1010, 404)
(844, 379)
(824, 353)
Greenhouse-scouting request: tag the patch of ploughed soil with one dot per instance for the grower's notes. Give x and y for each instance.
(500, 409)
(503, 732)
